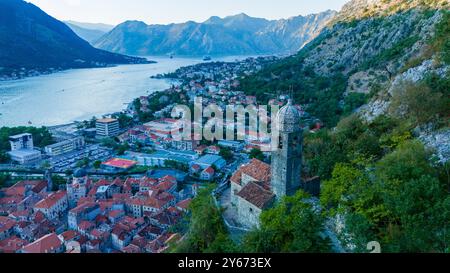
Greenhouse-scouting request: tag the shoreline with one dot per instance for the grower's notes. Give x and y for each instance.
(163, 76)
(33, 72)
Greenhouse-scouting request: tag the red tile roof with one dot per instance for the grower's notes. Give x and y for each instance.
(6, 223)
(209, 171)
(131, 249)
(46, 244)
(85, 225)
(164, 186)
(256, 195)
(51, 200)
(256, 169)
(12, 244)
(69, 235)
(184, 204)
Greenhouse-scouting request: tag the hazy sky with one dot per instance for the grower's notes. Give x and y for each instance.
(176, 11)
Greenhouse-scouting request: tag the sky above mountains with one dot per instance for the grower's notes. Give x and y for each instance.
(177, 11)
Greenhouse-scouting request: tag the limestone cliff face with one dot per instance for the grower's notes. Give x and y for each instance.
(361, 9)
(376, 45)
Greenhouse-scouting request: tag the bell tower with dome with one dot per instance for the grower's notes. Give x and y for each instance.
(287, 157)
(78, 188)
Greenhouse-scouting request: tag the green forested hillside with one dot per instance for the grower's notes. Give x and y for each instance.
(380, 182)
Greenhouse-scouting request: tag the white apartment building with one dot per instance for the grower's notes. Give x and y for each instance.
(22, 141)
(65, 146)
(22, 149)
(107, 127)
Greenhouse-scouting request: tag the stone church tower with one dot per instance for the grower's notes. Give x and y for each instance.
(287, 158)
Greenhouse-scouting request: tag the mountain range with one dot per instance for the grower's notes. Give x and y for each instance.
(33, 40)
(367, 52)
(87, 31)
(233, 35)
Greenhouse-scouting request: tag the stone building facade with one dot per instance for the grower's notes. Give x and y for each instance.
(257, 185)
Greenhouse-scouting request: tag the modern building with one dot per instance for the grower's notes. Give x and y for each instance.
(164, 127)
(161, 157)
(235, 145)
(107, 127)
(22, 141)
(25, 156)
(64, 147)
(22, 149)
(210, 161)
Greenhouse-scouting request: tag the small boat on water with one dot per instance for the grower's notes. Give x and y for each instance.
(207, 58)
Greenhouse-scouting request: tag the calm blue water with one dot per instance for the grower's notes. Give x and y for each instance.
(79, 94)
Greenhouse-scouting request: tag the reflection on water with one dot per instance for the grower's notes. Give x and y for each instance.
(80, 94)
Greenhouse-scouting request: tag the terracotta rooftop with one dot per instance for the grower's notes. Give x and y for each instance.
(46, 244)
(256, 169)
(165, 186)
(209, 171)
(51, 200)
(69, 235)
(184, 204)
(85, 225)
(256, 195)
(12, 244)
(6, 223)
(131, 249)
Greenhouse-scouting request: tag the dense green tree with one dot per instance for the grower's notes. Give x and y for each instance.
(417, 102)
(4, 157)
(97, 164)
(409, 161)
(207, 232)
(421, 209)
(257, 153)
(41, 136)
(399, 201)
(124, 120)
(58, 181)
(226, 153)
(338, 189)
(321, 154)
(352, 101)
(3, 179)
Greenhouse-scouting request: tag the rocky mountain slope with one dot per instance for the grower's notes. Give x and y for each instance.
(233, 35)
(363, 60)
(378, 77)
(33, 40)
(367, 54)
